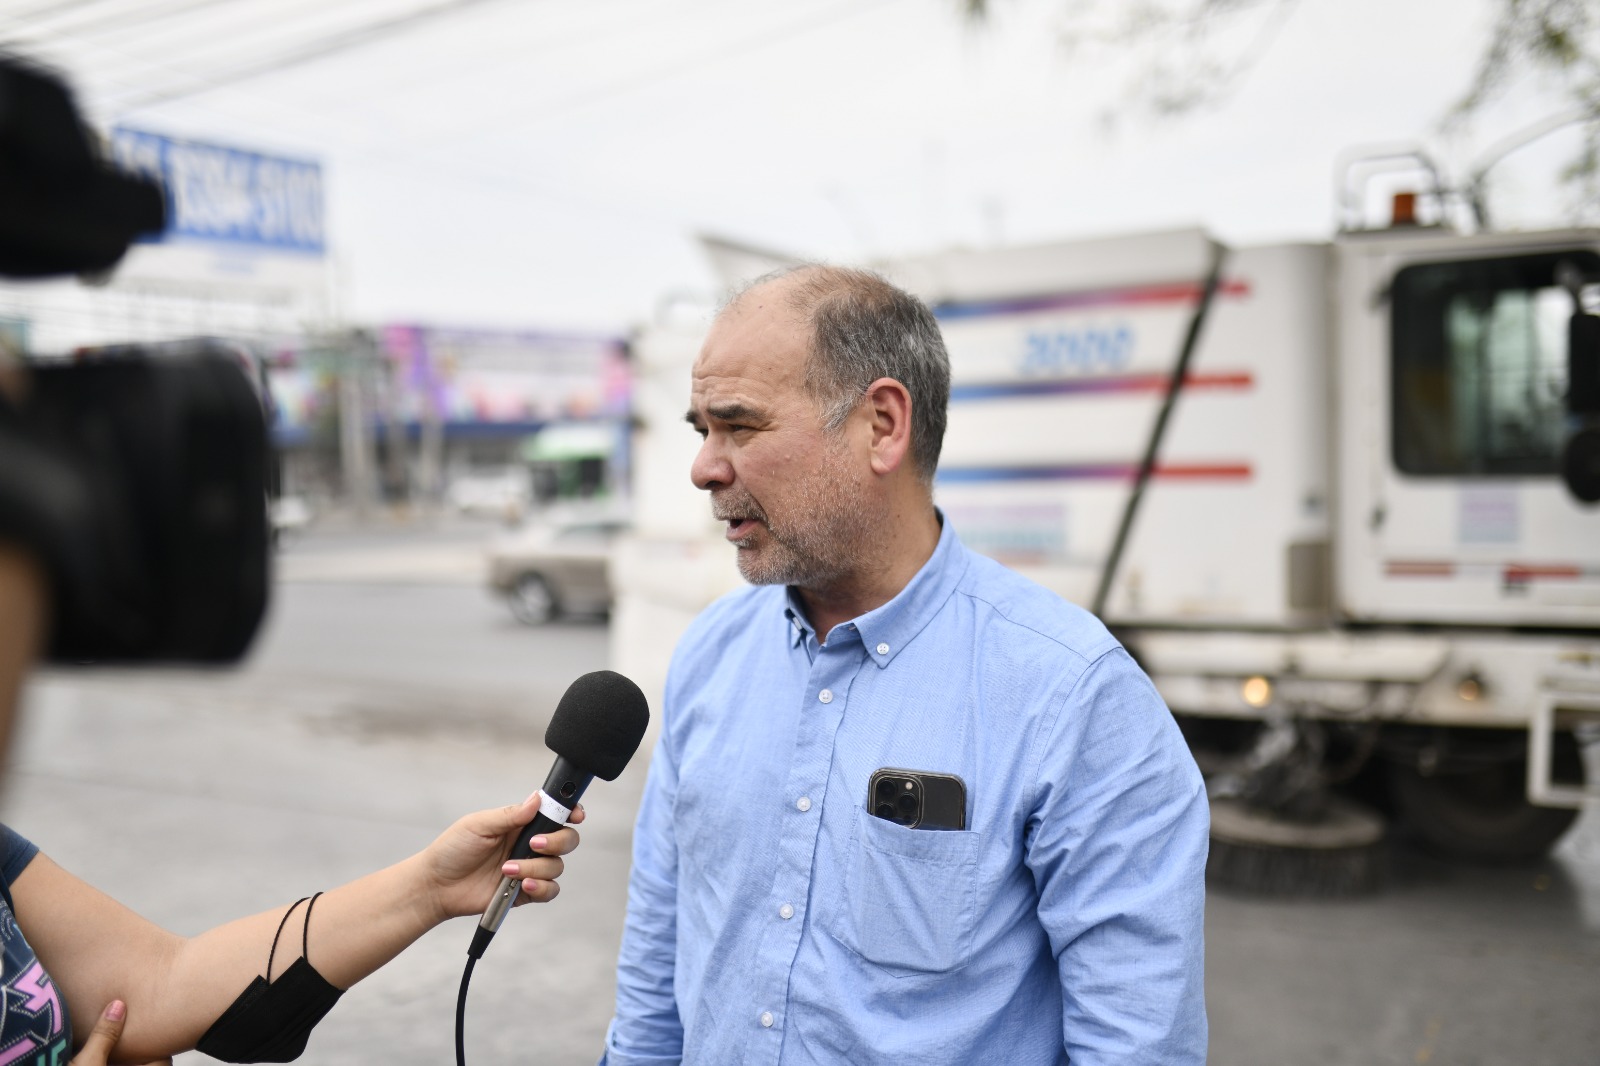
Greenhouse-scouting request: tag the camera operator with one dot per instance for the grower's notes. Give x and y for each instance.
(80, 971)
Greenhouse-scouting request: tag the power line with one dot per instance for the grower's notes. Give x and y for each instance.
(719, 52)
(630, 23)
(362, 35)
(51, 10)
(85, 52)
(264, 30)
(138, 16)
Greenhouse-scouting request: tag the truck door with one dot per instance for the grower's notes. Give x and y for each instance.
(1453, 378)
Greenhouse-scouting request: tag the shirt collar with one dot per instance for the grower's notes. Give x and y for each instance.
(887, 629)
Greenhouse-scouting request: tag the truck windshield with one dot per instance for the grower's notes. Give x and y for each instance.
(1479, 364)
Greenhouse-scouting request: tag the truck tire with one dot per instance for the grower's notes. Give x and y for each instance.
(533, 602)
(1480, 813)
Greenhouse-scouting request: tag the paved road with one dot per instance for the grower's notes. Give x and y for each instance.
(389, 694)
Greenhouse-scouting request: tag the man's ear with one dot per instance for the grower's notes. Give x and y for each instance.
(888, 406)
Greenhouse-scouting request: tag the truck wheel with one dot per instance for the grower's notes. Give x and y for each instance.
(1481, 813)
(532, 601)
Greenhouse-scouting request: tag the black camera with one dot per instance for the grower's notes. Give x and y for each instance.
(138, 476)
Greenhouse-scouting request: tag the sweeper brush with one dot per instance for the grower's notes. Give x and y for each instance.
(1339, 851)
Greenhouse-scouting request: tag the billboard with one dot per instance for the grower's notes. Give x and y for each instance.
(516, 380)
(216, 193)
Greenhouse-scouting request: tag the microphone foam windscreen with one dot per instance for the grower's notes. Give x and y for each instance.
(598, 723)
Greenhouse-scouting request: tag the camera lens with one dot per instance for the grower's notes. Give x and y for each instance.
(885, 810)
(907, 804)
(885, 790)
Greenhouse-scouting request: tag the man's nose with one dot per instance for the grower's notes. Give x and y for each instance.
(710, 469)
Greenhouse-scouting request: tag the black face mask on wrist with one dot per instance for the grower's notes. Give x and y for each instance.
(272, 1020)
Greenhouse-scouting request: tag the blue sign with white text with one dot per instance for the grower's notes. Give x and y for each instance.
(1084, 351)
(228, 194)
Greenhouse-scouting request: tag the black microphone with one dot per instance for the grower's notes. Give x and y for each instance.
(595, 731)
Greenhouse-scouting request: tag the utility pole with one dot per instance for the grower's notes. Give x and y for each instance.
(396, 466)
(355, 421)
(430, 449)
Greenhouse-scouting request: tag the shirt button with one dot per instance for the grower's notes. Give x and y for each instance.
(786, 911)
(826, 695)
(804, 803)
(883, 649)
(766, 1019)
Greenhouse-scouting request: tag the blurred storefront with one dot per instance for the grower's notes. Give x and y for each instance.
(493, 421)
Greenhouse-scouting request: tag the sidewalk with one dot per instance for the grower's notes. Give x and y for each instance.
(452, 564)
(386, 548)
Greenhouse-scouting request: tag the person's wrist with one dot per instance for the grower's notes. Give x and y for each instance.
(425, 892)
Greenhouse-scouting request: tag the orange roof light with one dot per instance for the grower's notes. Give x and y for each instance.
(1405, 209)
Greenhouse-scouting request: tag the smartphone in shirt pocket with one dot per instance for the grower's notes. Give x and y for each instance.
(909, 902)
(918, 799)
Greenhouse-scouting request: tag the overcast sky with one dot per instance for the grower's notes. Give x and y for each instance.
(548, 164)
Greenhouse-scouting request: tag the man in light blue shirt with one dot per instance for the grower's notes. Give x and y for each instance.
(775, 915)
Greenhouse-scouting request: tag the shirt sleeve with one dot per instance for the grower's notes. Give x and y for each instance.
(16, 852)
(1117, 846)
(646, 1028)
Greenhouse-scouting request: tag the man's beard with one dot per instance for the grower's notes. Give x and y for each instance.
(818, 543)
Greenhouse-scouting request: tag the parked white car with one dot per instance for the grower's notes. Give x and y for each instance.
(552, 568)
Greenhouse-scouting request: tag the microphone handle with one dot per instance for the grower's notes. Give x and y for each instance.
(541, 824)
(562, 790)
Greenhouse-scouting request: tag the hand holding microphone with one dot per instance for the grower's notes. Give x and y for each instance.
(466, 859)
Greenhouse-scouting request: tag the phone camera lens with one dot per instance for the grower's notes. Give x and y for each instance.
(885, 810)
(885, 791)
(907, 804)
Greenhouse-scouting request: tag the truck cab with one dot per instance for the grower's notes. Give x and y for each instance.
(1456, 401)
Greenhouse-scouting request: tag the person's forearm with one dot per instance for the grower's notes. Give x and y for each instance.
(176, 988)
(354, 929)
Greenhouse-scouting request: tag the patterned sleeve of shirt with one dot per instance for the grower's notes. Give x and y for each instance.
(646, 1028)
(34, 1024)
(1117, 846)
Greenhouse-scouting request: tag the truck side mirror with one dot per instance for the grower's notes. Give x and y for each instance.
(1583, 366)
(1580, 456)
(1581, 452)
(1580, 463)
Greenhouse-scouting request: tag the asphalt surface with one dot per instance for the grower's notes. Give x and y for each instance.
(389, 694)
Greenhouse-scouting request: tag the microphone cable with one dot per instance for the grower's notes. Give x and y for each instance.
(480, 941)
(507, 893)
(461, 1013)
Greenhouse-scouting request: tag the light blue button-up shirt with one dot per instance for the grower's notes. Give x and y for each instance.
(774, 920)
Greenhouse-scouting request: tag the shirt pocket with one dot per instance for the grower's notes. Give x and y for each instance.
(909, 901)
